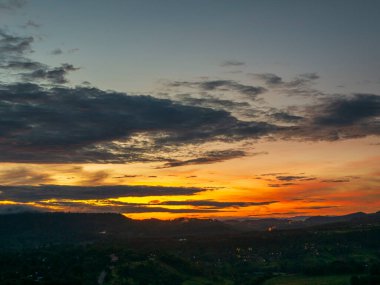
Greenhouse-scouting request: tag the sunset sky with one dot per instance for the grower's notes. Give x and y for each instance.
(174, 108)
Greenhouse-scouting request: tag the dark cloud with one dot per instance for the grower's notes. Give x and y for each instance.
(60, 192)
(279, 214)
(222, 85)
(82, 125)
(274, 80)
(90, 125)
(316, 207)
(339, 117)
(286, 117)
(56, 75)
(347, 111)
(309, 76)
(56, 51)
(336, 180)
(11, 45)
(300, 85)
(209, 157)
(13, 50)
(127, 176)
(233, 63)
(23, 65)
(277, 185)
(215, 204)
(294, 178)
(269, 78)
(73, 50)
(12, 4)
(120, 207)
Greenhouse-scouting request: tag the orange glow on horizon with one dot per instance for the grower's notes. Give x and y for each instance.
(297, 178)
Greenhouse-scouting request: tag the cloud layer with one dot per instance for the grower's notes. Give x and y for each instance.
(90, 125)
(99, 199)
(61, 124)
(49, 192)
(43, 120)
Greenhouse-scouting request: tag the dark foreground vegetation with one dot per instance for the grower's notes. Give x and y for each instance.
(109, 249)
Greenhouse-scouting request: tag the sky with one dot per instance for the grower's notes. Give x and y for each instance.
(205, 109)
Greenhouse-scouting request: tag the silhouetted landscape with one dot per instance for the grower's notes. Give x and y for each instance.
(76, 248)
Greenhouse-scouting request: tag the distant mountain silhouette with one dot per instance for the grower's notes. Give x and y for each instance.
(34, 228)
(307, 222)
(316, 220)
(78, 227)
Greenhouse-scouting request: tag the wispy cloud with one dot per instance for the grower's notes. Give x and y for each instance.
(232, 63)
(13, 57)
(56, 75)
(12, 45)
(215, 204)
(56, 51)
(274, 80)
(301, 85)
(249, 91)
(23, 175)
(209, 157)
(31, 24)
(12, 4)
(294, 178)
